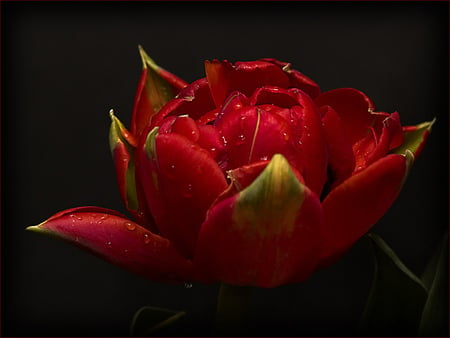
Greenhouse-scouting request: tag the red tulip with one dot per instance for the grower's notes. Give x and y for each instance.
(249, 176)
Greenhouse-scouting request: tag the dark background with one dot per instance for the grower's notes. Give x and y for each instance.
(64, 65)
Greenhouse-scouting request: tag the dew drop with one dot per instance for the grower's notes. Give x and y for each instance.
(242, 121)
(187, 191)
(130, 226)
(146, 238)
(286, 136)
(188, 285)
(108, 243)
(240, 140)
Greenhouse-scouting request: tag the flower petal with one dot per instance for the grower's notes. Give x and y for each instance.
(194, 101)
(252, 134)
(245, 77)
(123, 145)
(353, 207)
(266, 235)
(180, 180)
(113, 237)
(415, 138)
(353, 107)
(297, 79)
(156, 87)
(340, 153)
(312, 140)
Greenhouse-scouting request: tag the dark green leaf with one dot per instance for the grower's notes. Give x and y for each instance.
(434, 320)
(397, 296)
(149, 320)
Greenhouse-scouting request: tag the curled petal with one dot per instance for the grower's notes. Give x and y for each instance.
(354, 206)
(156, 87)
(119, 241)
(272, 227)
(297, 79)
(194, 101)
(353, 107)
(245, 77)
(172, 172)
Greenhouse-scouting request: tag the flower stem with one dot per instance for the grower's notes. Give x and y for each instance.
(232, 305)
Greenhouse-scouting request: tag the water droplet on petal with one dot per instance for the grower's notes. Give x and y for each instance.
(242, 121)
(130, 226)
(146, 238)
(240, 140)
(286, 136)
(187, 190)
(108, 243)
(188, 285)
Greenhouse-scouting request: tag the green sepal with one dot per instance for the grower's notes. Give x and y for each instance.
(148, 320)
(397, 296)
(271, 203)
(120, 136)
(435, 315)
(158, 90)
(414, 139)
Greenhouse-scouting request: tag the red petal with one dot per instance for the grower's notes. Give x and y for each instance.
(194, 100)
(156, 87)
(180, 180)
(187, 127)
(245, 77)
(313, 143)
(353, 107)
(251, 243)
(252, 135)
(211, 140)
(353, 207)
(340, 153)
(120, 241)
(297, 79)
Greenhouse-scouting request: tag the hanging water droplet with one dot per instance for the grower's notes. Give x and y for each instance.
(130, 226)
(187, 190)
(242, 122)
(188, 285)
(240, 140)
(146, 238)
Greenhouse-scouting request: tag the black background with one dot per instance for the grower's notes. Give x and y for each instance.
(64, 65)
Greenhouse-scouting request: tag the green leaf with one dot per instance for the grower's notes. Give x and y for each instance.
(397, 296)
(435, 314)
(149, 320)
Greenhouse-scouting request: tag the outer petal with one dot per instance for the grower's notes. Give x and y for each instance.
(415, 138)
(297, 79)
(120, 241)
(180, 180)
(245, 77)
(353, 107)
(353, 207)
(156, 87)
(266, 235)
(123, 146)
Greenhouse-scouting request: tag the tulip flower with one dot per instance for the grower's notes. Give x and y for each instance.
(249, 176)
